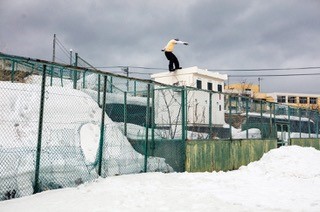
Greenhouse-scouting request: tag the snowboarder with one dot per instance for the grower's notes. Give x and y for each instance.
(168, 51)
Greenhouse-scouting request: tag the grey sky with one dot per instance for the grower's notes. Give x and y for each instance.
(226, 34)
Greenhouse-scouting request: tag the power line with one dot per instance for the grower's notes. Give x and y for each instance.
(275, 75)
(133, 72)
(63, 50)
(222, 70)
(149, 68)
(62, 46)
(139, 67)
(267, 69)
(233, 70)
(251, 75)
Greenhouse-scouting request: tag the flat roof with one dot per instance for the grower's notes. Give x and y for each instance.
(190, 71)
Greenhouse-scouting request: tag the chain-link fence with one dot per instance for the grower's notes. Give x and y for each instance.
(64, 125)
(269, 120)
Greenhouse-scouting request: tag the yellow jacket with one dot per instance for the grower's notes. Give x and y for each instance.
(170, 46)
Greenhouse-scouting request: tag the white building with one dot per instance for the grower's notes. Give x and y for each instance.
(198, 108)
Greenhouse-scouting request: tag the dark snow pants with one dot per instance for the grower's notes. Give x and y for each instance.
(172, 60)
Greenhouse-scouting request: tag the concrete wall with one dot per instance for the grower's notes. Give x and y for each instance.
(219, 155)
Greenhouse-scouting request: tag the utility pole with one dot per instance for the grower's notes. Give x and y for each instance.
(259, 80)
(54, 48)
(70, 63)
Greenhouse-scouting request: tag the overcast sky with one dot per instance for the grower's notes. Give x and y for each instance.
(226, 34)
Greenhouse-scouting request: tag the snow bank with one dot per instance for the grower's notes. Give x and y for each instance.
(288, 162)
(285, 179)
(70, 139)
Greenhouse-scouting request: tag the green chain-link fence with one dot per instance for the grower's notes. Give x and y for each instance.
(64, 125)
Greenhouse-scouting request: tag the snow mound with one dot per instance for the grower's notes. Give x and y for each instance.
(70, 140)
(288, 161)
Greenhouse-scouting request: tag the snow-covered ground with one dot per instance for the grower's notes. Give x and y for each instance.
(284, 179)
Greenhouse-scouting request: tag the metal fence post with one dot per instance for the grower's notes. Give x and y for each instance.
(152, 120)
(300, 124)
(75, 77)
(289, 130)
(111, 84)
(36, 188)
(146, 146)
(99, 83)
(237, 99)
(275, 120)
(84, 79)
(230, 126)
(184, 127)
(51, 75)
(183, 114)
(309, 123)
(270, 121)
(101, 143)
(317, 124)
(61, 76)
(125, 113)
(210, 115)
(247, 117)
(12, 70)
(261, 120)
(135, 88)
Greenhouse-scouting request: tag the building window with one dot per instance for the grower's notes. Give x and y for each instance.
(209, 86)
(219, 88)
(313, 100)
(303, 100)
(292, 99)
(281, 99)
(219, 107)
(199, 84)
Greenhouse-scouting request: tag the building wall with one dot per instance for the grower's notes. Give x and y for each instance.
(297, 96)
(240, 88)
(198, 101)
(169, 103)
(199, 108)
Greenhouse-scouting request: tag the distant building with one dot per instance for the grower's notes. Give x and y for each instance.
(300, 100)
(198, 100)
